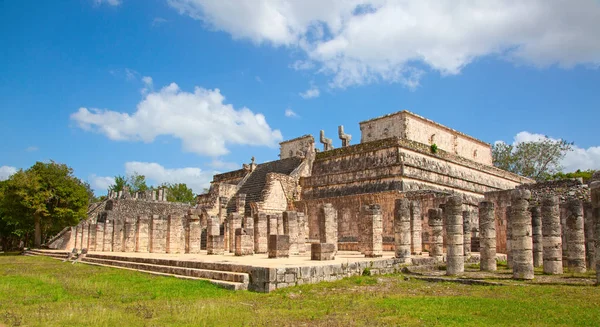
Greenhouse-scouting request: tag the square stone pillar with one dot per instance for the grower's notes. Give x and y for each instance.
(328, 232)
(272, 224)
(280, 229)
(158, 234)
(302, 232)
(143, 236)
(99, 237)
(235, 222)
(243, 243)
(322, 251)
(78, 235)
(108, 236)
(92, 241)
(279, 246)
(260, 233)
(130, 235)
(373, 232)
(194, 234)
(214, 241)
(416, 228)
(290, 228)
(175, 235)
(240, 204)
(85, 236)
(118, 235)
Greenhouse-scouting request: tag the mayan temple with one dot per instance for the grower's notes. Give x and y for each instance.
(318, 208)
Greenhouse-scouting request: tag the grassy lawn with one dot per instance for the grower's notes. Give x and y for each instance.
(39, 291)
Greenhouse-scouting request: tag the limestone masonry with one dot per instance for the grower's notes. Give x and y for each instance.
(411, 188)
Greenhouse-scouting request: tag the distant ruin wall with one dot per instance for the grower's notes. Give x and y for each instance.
(298, 147)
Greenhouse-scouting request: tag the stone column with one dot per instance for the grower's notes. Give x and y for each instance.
(538, 247)
(279, 246)
(467, 233)
(373, 232)
(194, 234)
(301, 232)
(92, 241)
(595, 197)
(455, 257)
(576, 236)
(260, 233)
(143, 235)
(118, 235)
(175, 234)
(214, 239)
(437, 234)
(328, 232)
(280, 224)
(158, 234)
(78, 234)
(160, 194)
(235, 222)
(240, 204)
(243, 243)
(590, 239)
(272, 224)
(416, 227)
(130, 235)
(85, 236)
(551, 235)
(290, 228)
(487, 236)
(402, 234)
(509, 256)
(100, 236)
(108, 236)
(522, 242)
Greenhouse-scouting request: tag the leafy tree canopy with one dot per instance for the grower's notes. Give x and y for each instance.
(179, 192)
(534, 159)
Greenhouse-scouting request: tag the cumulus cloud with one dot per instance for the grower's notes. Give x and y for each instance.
(201, 120)
(156, 174)
(290, 113)
(6, 172)
(579, 158)
(312, 92)
(148, 84)
(365, 41)
(100, 183)
(108, 2)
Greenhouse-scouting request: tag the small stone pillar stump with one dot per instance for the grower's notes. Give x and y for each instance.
(416, 228)
(328, 232)
(322, 251)
(522, 242)
(402, 233)
(235, 221)
(279, 246)
(487, 236)
(215, 242)
(437, 234)
(373, 223)
(538, 246)
(576, 236)
(194, 234)
(243, 243)
(290, 228)
(551, 235)
(454, 231)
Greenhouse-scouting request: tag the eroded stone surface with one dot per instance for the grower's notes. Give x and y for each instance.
(487, 236)
(551, 235)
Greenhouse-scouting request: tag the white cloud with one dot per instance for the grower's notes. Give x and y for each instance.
(201, 120)
(258, 79)
(108, 2)
(158, 20)
(31, 148)
(313, 92)
(290, 113)
(195, 178)
(148, 85)
(302, 65)
(366, 41)
(100, 183)
(579, 158)
(218, 164)
(6, 172)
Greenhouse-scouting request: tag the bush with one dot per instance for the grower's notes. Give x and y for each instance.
(434, 148)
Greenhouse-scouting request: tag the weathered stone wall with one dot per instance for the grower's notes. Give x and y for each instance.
(407, 125)
(298, 147)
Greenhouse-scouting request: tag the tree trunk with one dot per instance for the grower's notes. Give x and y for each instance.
(37, 239)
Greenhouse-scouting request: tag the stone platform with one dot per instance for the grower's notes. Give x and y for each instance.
(256, 273)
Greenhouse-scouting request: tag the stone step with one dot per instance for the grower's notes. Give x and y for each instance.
(233, 286)
(227, 267)
(56, 255)
(226, 276)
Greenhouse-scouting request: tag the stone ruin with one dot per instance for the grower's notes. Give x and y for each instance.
(390, 192)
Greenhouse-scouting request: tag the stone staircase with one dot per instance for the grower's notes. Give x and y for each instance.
(218, 274)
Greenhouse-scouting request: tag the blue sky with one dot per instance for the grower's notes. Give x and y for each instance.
(180, 89)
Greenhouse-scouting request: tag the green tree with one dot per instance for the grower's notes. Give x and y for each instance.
(120, 183)
(586, 175)
(137, 182)
(534, 159)
(44, 199)
(179, 192)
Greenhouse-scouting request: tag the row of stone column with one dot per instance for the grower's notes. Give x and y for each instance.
(142, 234)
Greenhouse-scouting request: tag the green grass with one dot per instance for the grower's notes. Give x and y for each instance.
(38, 291)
